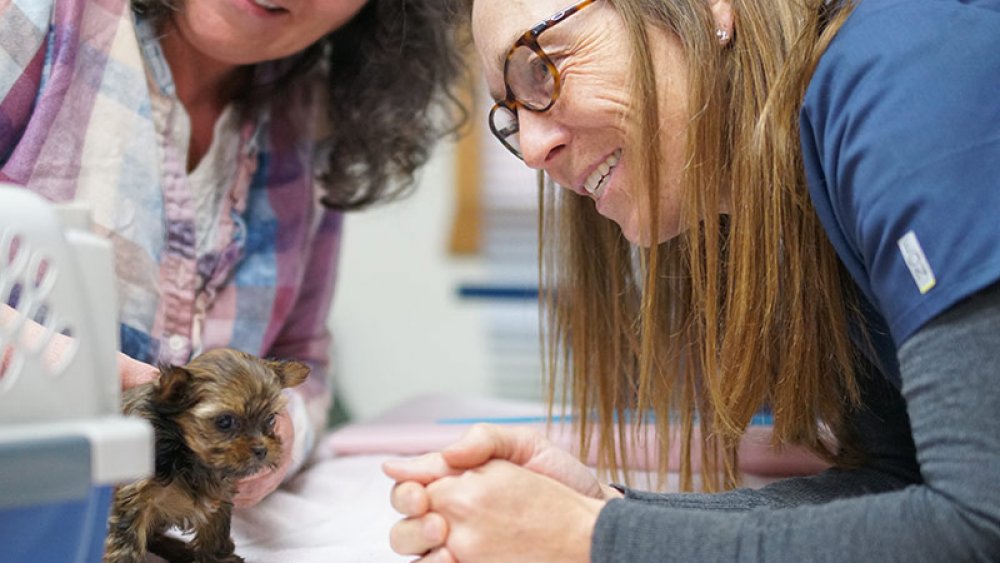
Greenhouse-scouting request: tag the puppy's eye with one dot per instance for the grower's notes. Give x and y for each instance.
(225, 422)
(270, 421)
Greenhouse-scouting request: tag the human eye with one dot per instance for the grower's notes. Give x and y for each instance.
(529, 76)
(537, 69)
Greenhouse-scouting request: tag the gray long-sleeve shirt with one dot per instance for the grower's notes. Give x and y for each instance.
(939, 503)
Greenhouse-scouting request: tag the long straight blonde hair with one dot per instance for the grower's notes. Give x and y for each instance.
(742, 311)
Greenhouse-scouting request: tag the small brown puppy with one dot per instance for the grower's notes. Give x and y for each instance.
(213, 421)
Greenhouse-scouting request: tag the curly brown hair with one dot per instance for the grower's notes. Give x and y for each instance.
(390, 74)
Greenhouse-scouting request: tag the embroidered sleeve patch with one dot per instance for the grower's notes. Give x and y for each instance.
(916, 262)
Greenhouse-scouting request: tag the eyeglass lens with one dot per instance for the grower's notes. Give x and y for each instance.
(531, 80)
(505, 126)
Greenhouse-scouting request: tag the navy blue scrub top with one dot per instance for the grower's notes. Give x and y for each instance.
(900, 132)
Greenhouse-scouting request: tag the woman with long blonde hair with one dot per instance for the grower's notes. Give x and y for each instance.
(787, 205)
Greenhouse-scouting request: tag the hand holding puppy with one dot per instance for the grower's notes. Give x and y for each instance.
(251, 490)
(214, 421)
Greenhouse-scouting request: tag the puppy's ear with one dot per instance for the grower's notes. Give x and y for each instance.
(290, 372)
(173, 386)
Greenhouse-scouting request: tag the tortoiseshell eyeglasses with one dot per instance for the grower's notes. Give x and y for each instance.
(531, 80)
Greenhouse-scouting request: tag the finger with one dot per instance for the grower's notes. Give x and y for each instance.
(244, 501)
(423, 469)
(416, 536)
(410, 499)
(259, 477)
(440, 555)
(484, 442)
(134, 372)
(284, 429)
(251, 490)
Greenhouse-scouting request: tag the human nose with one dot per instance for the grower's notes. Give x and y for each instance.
(541, 138)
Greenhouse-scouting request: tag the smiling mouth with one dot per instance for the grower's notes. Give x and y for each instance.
(269, 6)
(596, 182)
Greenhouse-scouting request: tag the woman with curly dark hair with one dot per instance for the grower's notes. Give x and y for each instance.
(217, 143)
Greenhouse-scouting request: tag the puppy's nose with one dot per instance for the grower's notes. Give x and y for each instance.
(259, 451)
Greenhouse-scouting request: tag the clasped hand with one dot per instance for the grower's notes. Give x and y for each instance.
(498, 494)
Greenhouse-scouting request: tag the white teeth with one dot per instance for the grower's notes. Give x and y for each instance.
(596, 179)
(267, 5)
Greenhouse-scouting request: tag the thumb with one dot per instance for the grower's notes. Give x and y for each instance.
(423, 469)
(484, 442)
(134, 372)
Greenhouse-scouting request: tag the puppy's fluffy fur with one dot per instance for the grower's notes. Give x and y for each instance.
(214, 424)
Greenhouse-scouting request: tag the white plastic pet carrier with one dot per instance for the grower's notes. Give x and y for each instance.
(63, 443)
